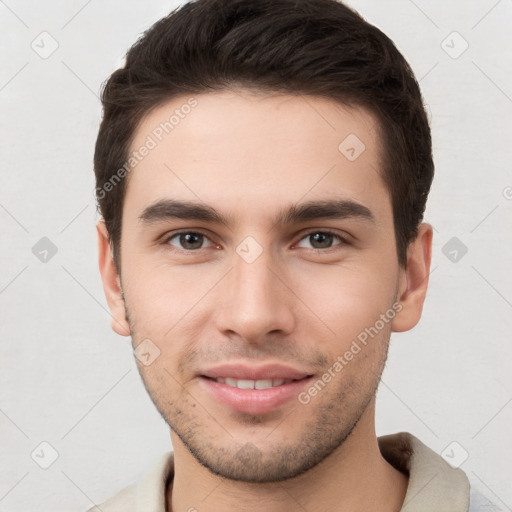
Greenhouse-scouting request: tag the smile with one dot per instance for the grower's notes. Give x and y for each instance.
(252, 384)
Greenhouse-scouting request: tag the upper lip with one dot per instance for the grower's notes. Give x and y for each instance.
(251, 372)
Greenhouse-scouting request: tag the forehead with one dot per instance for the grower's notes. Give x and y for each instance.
(255, 152)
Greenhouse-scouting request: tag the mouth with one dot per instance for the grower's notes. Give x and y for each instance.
(252, 384)
(253, 390)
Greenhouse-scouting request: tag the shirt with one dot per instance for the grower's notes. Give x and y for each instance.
(434, 486)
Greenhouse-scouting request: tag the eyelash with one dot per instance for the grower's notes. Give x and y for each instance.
(342, 241)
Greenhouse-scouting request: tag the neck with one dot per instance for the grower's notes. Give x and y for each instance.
(355, 477)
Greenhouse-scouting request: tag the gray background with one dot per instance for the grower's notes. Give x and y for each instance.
(66, 379)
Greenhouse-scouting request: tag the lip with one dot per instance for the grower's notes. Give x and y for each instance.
(254, 401)
(251, 372)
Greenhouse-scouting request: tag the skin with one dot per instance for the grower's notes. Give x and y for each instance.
(301, 302)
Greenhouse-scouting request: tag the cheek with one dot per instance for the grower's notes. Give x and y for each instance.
(160, 297)
(345, 301)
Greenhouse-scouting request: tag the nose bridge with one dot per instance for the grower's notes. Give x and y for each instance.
(256, 301)
(252, 278)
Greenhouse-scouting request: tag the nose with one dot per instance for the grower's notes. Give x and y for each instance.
(255, 300)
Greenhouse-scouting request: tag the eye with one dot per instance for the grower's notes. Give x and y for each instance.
(320, 240)
(188, 240)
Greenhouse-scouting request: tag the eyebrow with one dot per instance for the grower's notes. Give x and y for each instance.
(167, 209)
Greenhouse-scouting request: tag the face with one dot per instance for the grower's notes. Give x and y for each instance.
(260, 277)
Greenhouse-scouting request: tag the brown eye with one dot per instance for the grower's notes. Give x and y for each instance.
(320, 240)
(188, 241)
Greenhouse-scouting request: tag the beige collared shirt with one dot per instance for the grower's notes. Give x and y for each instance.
(434, 486)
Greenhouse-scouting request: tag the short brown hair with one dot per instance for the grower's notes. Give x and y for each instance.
(312, 47)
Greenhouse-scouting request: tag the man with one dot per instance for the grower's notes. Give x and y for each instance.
(262, 170)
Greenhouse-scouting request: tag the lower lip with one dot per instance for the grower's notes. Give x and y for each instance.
(254, 401)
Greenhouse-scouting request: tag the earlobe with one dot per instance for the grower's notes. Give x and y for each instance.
(111, 282)
(414, 280)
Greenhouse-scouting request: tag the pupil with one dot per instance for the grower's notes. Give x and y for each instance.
(324, 239)
(191, 240)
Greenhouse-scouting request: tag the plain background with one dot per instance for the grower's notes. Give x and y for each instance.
(67, 380)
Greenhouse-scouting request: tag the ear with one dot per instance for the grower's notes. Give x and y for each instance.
(413, 281)
(111, 282)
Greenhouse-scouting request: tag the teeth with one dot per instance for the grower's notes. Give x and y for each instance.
(253, 384)
(263, 384)
(244, 384)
